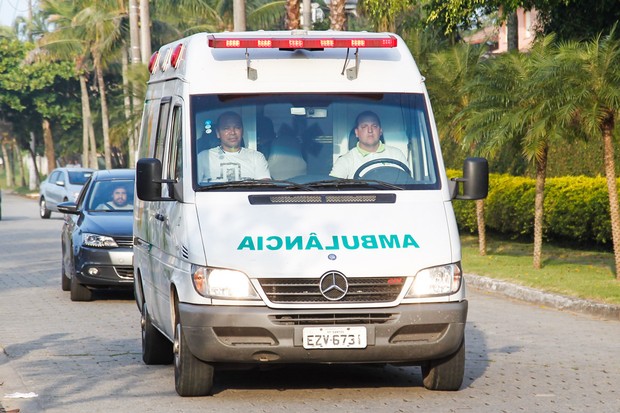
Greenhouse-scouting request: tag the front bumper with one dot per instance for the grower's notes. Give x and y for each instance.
(409, 333)
(105, 267)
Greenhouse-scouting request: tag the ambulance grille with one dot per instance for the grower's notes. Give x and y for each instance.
(307, 291)
(322, 199)
(333, 319)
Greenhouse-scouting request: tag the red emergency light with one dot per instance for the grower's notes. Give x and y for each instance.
(153, 62)
(176, 55)
(386, 41)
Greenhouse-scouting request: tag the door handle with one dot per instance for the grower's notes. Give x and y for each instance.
(160, 217)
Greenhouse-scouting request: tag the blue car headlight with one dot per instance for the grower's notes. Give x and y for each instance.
(98, 241)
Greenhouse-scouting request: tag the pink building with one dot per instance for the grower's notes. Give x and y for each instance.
(498, 36)
(526, 21)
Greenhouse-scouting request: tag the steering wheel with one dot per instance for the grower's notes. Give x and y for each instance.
(399, 164)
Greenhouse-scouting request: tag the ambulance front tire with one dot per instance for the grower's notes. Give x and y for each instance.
(381, 161)
(446, 373)
(192, 377)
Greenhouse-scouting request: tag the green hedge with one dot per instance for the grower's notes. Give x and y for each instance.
(576, 209)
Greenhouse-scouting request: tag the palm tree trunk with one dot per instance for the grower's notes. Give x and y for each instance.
(48, 142)
(105, 123)
(539, 202)
(482, 233)
(85, 120)
(337, 15)
(607, 128)
(239, 15)
(145, 31)
(292, 14)
(127, 105)
(134, 31)
(90, 151)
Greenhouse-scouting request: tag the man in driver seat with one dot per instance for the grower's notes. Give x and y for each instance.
(369, 147)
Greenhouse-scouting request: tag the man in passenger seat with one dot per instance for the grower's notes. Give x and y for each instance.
(230, 161)
(369, 147)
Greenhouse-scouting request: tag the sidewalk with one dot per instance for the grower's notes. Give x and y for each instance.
(531, 295)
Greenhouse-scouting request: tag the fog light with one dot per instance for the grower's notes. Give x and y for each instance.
(93, 271)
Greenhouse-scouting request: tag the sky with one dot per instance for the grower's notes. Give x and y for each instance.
(9, 9)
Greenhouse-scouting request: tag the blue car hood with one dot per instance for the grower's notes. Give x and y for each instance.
(114, 224)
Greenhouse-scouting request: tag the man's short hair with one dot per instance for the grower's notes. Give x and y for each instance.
(228, 115)
(367, 114)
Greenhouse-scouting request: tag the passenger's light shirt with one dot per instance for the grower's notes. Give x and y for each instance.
(217, 165)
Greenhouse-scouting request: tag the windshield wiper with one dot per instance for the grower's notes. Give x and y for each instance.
(344, 183)
(252, 183)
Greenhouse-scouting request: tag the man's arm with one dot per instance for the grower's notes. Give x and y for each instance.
(343, 166)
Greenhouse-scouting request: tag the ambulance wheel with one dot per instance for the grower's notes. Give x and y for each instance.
(446, 373)
(156, 348)
(382, 169)
(192, 377)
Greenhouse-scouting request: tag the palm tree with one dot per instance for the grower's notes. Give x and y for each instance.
(452, 70)
(99, 23)
(592, 86)
(64, 42)
(185, 17)
(516, 98)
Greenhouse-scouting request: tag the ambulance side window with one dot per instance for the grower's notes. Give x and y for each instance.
(175, 161)
(146, 134)
(162, 126)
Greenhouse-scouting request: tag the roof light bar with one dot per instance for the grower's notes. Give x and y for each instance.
(301, 43)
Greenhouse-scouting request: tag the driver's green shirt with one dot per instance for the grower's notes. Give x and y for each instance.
(346, 165)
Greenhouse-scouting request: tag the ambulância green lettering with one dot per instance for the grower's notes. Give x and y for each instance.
(334, 242)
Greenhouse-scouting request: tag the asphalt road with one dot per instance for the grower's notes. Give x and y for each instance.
(61, 356)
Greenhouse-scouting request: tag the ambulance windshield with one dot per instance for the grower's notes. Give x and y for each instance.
(312, 141)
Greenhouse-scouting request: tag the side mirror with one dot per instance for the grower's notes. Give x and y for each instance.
(475, 180)
(68, 207)
(148, 180)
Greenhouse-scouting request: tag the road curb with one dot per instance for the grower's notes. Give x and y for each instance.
(531, 295)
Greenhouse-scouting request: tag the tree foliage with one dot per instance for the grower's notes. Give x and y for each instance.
(34, 87)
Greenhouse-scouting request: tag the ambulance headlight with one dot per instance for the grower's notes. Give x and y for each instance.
(223, 283)
(442, 280)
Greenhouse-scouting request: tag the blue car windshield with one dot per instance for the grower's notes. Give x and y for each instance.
(79, 177)
(111, 196)
(312, 141)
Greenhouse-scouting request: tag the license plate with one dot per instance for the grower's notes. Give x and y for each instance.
(334, 337)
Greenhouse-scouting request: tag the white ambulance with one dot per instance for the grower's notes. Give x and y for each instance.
(293, 207)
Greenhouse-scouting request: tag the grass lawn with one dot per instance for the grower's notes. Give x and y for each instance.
(577, 273)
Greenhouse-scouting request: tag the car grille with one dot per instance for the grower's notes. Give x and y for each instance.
(307, 291)
(125, 271)
(126, 242)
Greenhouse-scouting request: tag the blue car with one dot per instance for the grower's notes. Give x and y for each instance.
(97, 235)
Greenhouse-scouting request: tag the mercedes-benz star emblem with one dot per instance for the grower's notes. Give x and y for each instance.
(334, 286)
